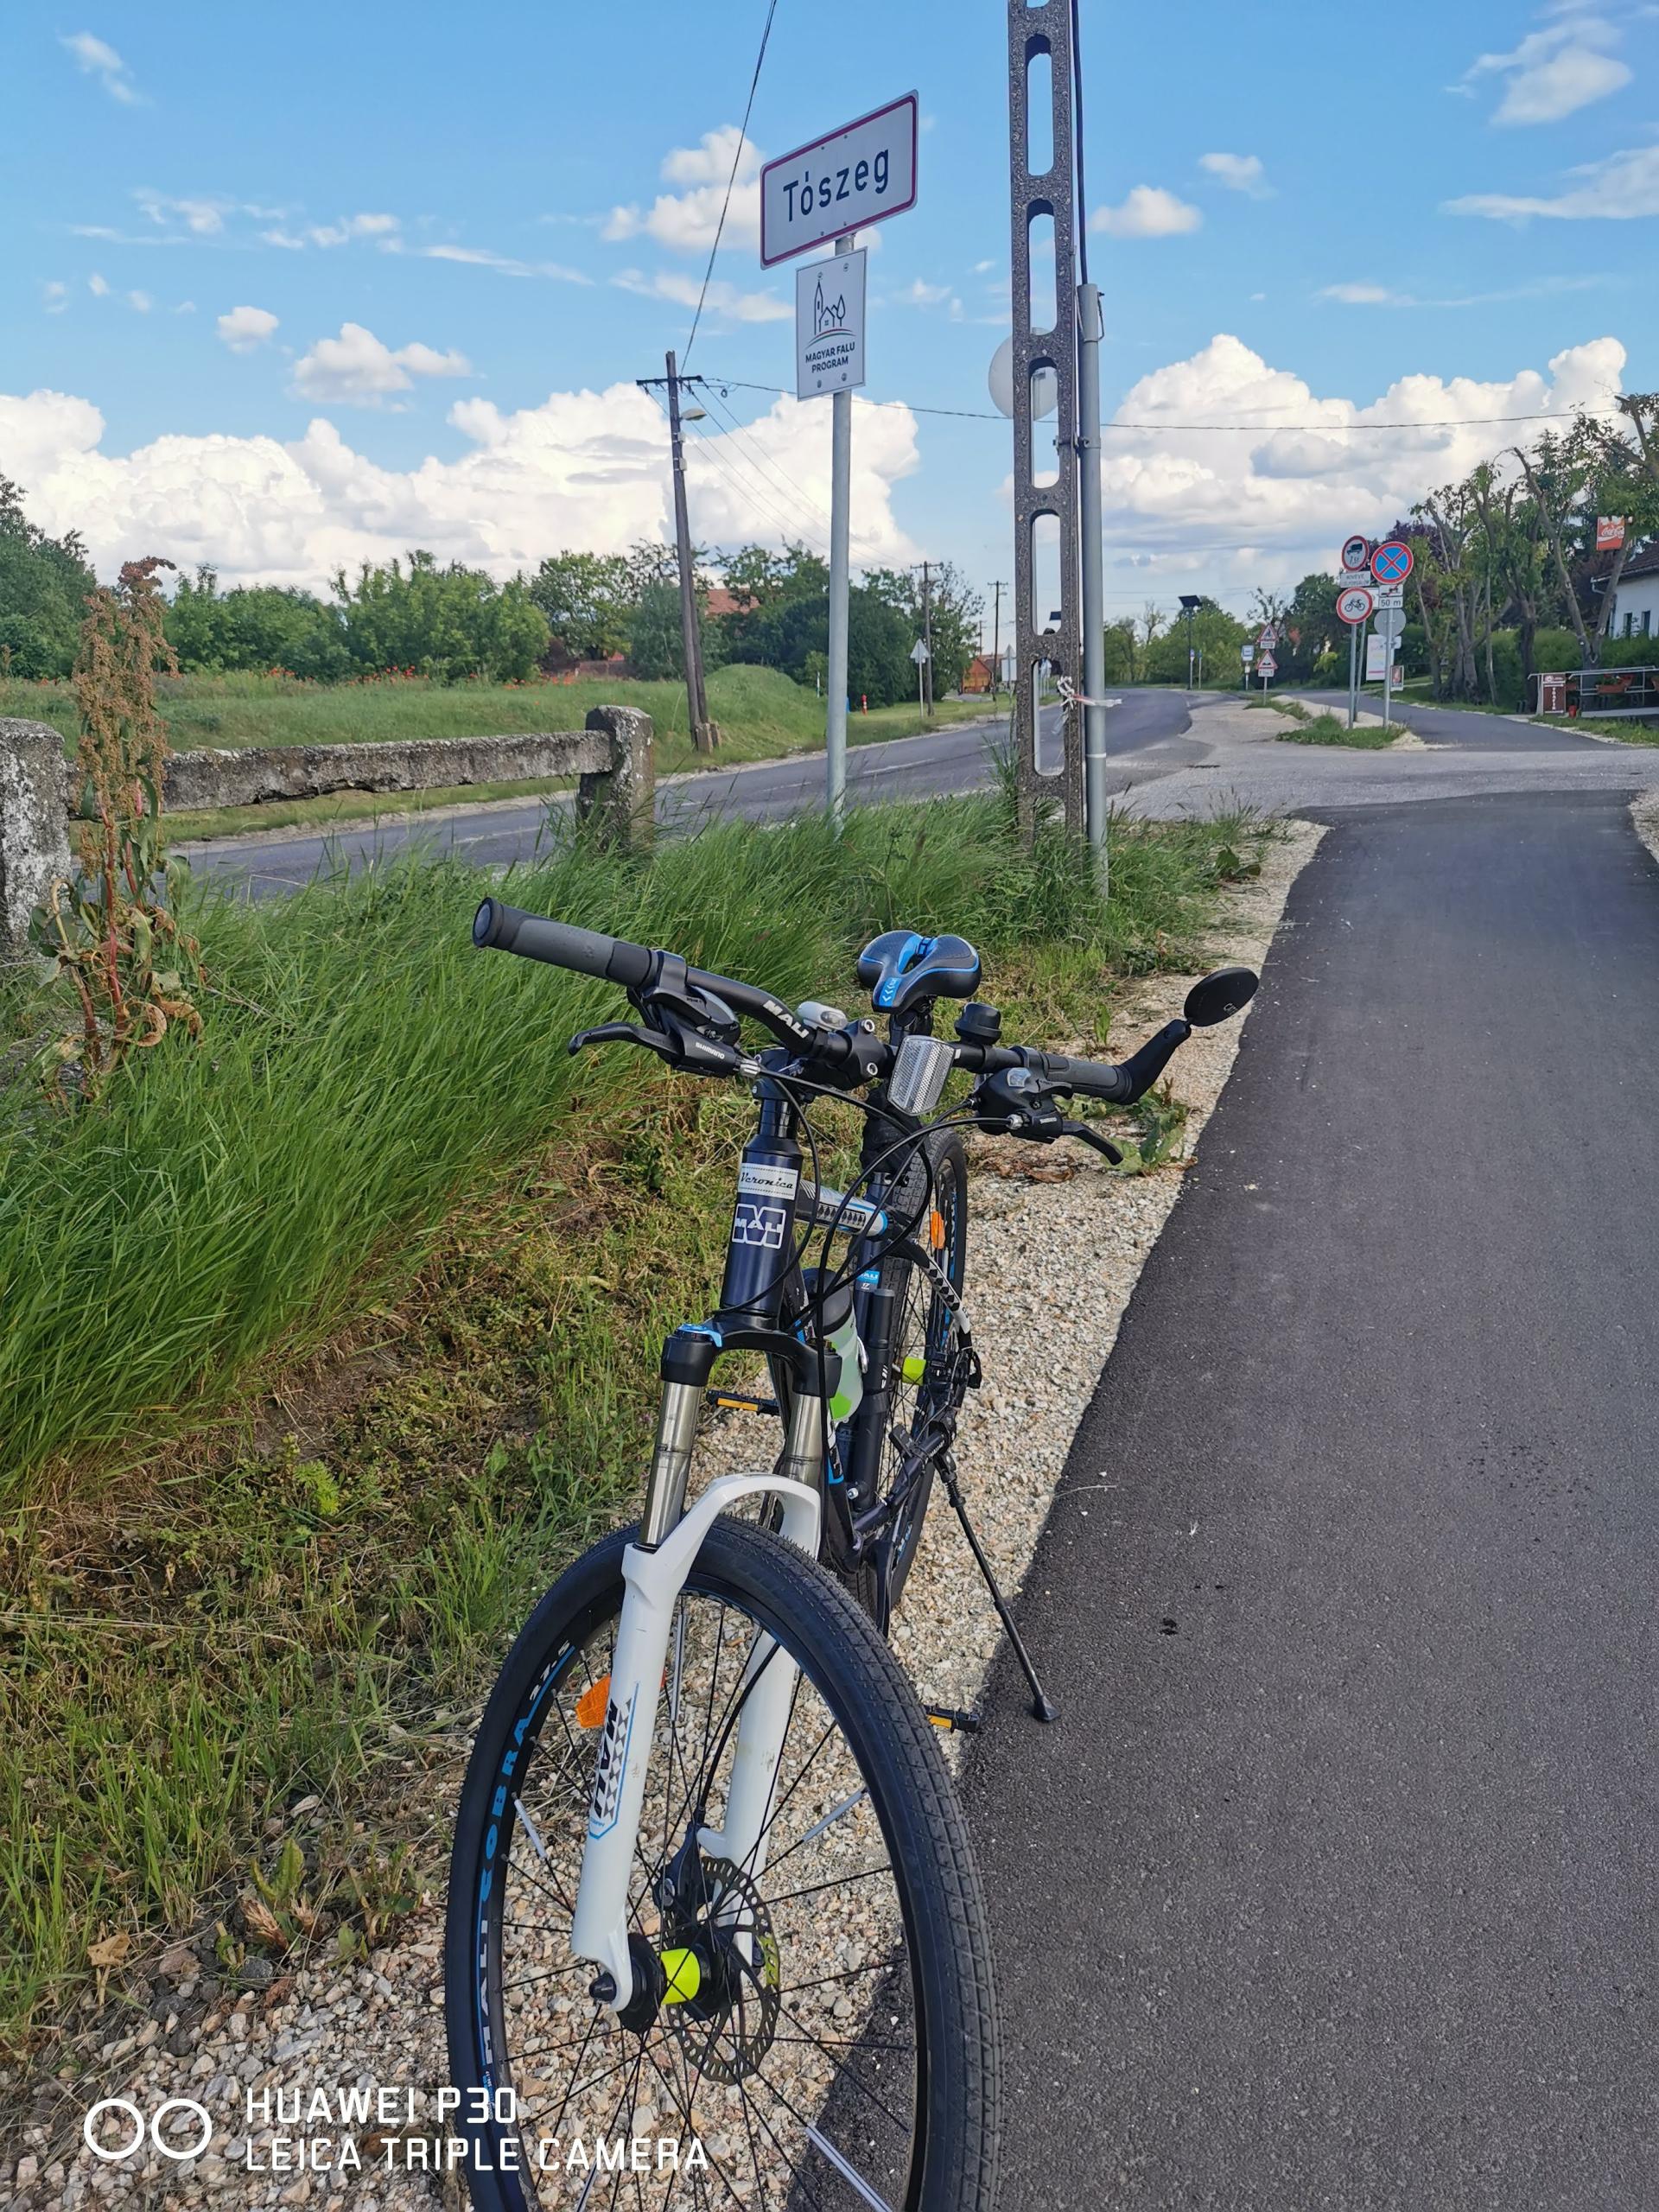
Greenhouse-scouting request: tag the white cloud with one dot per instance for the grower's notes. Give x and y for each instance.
(1239, 172)
(586, 469)
(1149, 211)
(358, 369)
(140, 303)
(99, 58)
(723, 298)
(919, 295)
(687, 221)
(1556, 71)
(56, 296)
(347, 228)
(1365, 295)
(1619, 190)
(478, 257)
(244, 328)
(1267, 500)
(204, 218)
(97, 285)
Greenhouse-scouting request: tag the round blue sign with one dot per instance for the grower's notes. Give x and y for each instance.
(1391, 563)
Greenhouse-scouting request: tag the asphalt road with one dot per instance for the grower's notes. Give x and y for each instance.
(1148, 728)
(1335, 1885)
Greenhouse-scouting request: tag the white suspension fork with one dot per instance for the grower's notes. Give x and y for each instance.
(654, 1580)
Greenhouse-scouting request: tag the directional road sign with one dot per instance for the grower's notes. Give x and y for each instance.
(919, 652)
(1356, 553)
(1391, 563)
(856, 176)
(1355, 604)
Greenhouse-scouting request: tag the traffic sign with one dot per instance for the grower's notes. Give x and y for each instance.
(1355, 604)
(829, 325)
(1268, 666)
(1356, 552)
(1246, 654)
(919, 652)
(1266, 637)
(1391, 563)
(840, 183)
(1389, 595)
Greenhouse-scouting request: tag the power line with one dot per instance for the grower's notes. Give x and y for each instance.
(753, 490)
(737, 156)
(728, 421)
(1332, 429)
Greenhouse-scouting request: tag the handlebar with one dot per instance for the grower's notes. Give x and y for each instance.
(589, 952)
(561, 945)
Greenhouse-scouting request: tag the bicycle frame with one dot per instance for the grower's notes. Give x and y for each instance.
(760, 1269)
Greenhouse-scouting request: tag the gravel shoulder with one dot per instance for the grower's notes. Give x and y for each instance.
(1040, 1224)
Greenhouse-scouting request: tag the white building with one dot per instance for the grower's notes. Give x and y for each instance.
(1636, 602)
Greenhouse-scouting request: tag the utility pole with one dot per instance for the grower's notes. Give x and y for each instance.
(999, 585)
(1095, 806)
(927, 633)
(703, 734)
(1040, 31)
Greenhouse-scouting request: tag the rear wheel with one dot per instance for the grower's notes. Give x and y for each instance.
(819, 2020)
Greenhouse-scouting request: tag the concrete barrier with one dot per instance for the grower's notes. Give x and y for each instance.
(612, 759)
(33, 826)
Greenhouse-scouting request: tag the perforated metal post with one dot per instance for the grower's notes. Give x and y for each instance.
(1034, 31)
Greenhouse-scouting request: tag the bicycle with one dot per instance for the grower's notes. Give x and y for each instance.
(702, 1702)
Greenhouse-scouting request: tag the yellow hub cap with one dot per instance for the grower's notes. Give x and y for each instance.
(684, 1976)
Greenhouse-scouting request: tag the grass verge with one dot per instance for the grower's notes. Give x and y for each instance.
(329, 1341)
(760, 711)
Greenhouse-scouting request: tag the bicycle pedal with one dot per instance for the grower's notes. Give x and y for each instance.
(954, 1722)
(725, 1402)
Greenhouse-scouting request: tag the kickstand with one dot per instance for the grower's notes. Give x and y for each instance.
(1040, 1706)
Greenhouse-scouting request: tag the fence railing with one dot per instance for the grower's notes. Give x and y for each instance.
(1606, 694)
(611, 761)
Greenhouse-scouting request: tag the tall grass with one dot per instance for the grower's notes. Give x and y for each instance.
(382, 1150)
(365, 1066)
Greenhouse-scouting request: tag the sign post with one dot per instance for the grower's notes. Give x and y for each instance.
(1354, 604)
(829, 190)
(920, 655)
(1391, 563)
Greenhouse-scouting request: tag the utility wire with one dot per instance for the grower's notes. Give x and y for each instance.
(737, 156)
(729, 422)
(1332, 430)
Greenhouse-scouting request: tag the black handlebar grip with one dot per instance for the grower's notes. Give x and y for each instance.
(1094, 1078)
(587, 952)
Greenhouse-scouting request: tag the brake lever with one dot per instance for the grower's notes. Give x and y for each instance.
(622, 1033)
(1084, 1134)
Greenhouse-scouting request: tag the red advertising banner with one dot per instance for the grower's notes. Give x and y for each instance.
(1609, 533)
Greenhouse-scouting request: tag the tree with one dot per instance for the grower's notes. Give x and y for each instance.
(447, 623)
(45, 583)
(588, 601)
(783, 618)
(878, 641)
(953, 616)
(1215, 635)
(656, 643)
(256, 626)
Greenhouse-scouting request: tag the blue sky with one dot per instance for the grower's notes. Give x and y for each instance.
(312, 283)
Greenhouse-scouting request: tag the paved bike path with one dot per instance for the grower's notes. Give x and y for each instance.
(1335, 1884)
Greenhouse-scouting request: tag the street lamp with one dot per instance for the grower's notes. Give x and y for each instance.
(1191, 602)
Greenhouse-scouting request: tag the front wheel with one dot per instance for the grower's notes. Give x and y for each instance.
(814, 2028)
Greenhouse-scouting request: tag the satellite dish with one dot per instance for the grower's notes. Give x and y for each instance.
(1045, 397)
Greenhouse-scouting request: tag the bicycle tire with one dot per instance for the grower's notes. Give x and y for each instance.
(769, 1584)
